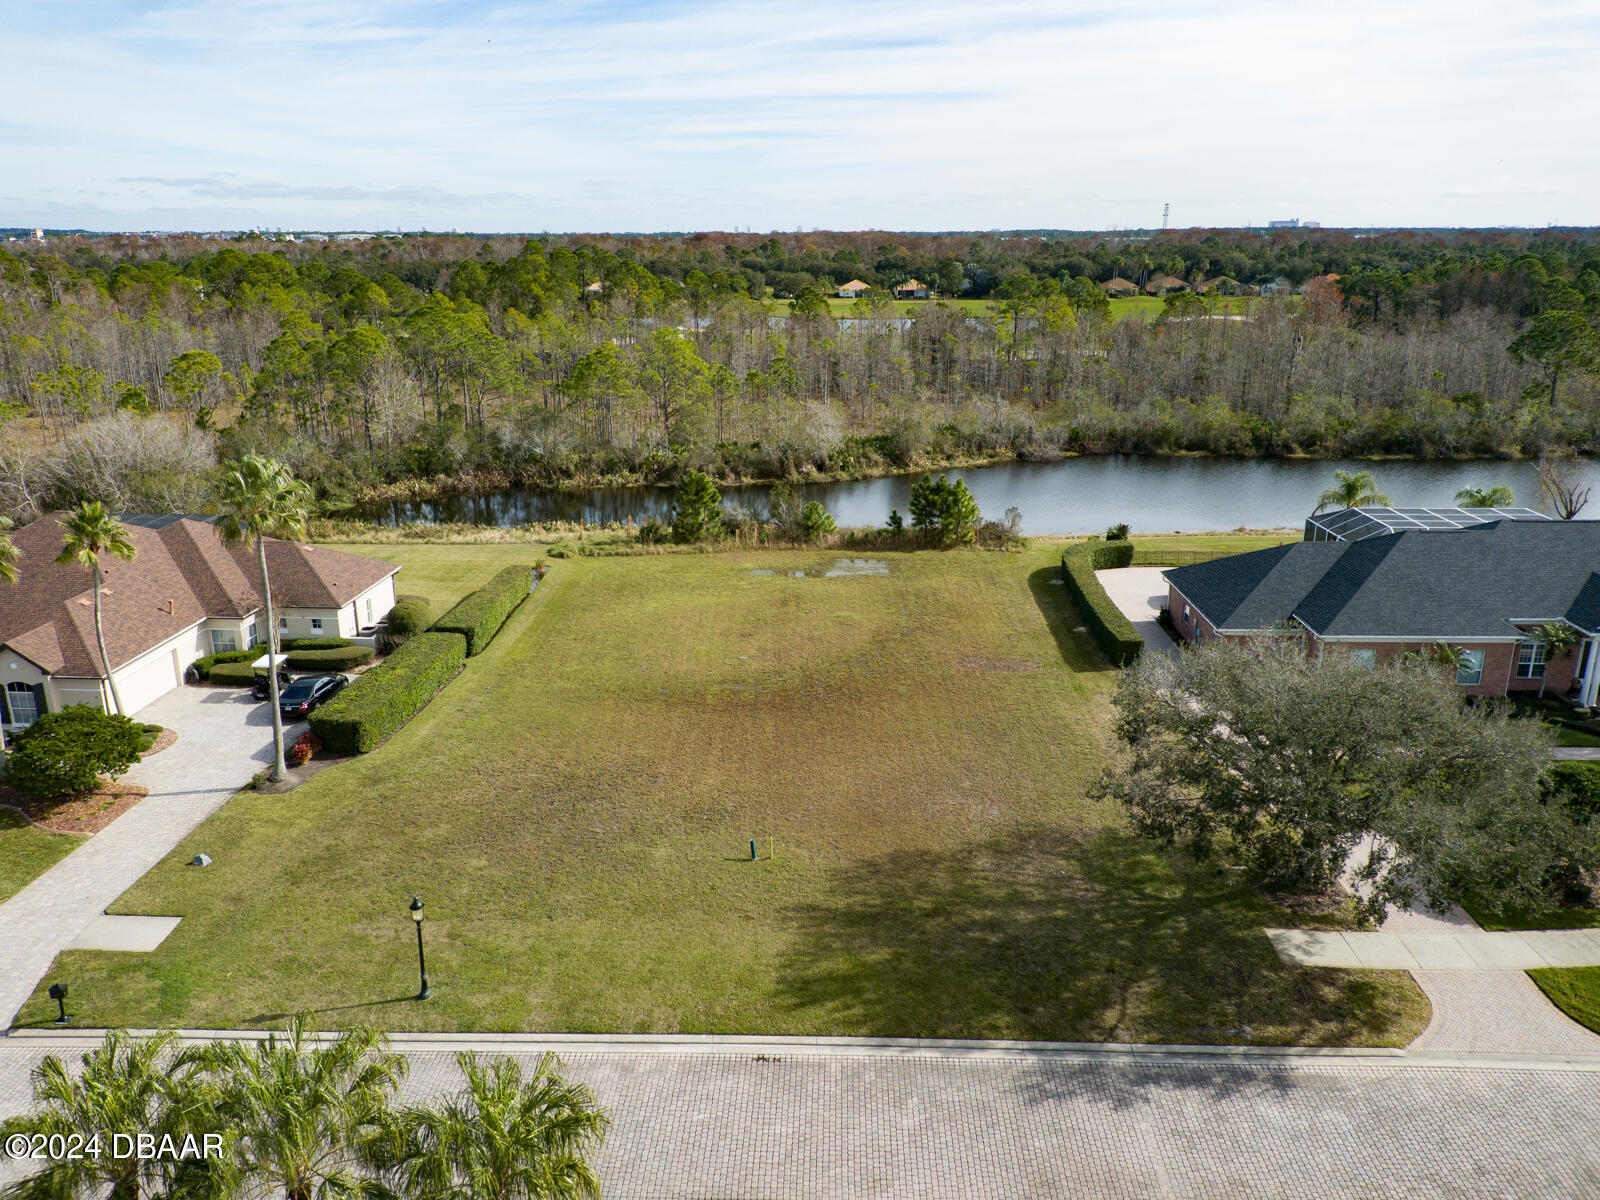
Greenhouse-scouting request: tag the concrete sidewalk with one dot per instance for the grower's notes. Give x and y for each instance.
(1463, 950)
(224, 737)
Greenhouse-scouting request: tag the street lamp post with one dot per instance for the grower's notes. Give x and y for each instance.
(422, 963)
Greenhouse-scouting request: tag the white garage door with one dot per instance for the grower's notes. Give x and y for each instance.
(147, 681)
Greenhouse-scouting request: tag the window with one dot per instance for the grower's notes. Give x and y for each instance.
(253, 634)
(23, 703)
(1186, 616)
(316, 624)
(1364, 658)
(283, 624)
(369, 610)
(1470, 671)
(1530, 660)
(223, 640)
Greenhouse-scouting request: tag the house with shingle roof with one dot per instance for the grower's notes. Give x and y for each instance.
(184, 594)
(1483, 587)
(852, 290)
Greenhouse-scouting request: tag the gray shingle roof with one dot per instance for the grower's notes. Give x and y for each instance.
(1468, 583)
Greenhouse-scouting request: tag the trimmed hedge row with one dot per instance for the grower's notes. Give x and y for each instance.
(409, 616)
(479, 617)
(1112, 632)
(234, 673)
(389, 695)
(203, 666)
(333, 643)
(1106, 556)
(331, 658)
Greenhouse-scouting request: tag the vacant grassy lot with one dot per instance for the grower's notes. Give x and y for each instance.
(576, 810)
(26, 852)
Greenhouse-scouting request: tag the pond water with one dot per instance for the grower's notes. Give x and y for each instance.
(1075, 495)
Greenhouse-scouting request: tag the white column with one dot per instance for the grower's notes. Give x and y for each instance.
(1591, 675)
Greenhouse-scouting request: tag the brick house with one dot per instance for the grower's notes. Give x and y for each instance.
(1483, 586)
(184, 594)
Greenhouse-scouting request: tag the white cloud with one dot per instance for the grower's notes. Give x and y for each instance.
(710, 115)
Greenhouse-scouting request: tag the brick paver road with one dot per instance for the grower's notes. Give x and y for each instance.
(719, 1122)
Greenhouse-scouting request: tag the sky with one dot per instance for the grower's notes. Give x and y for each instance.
(566, 116)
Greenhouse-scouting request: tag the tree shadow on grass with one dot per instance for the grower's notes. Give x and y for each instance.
(1044, 935)
(1078, 651)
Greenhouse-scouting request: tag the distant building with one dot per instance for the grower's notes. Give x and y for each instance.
(1160, 284)
(911, 289)
(1225, 285)
(852, 290)
(1117, 286)
(38, 235)
(1290, 223)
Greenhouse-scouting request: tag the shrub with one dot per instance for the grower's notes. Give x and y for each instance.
(68, 751)
(697, 509)
(389, 695)
(653, 532)
(896, 524)
(1117, 532)
(815, 521)
(203, 666)
(333, 643)
(1577, 786)
(1112, 632)
(148, 734)
(337, 658)
(233, 674)
(409, 617)
(305, 748)
(479, 617)
(944, 509)
(1104, 556)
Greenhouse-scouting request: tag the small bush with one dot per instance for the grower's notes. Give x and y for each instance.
(479, 617)
(896, 524)
(1577, 786)
(333, 643)
(1104, 556)
(944, 510)
(147, 735)
(409, 617)
(389, 695)
(1117, 532)
(68, 751)
(815, 521)
(233, 674)
(345, 658)
(305, 748)
(203, 666)
(654, 532)
(697, 509)
(1112, 632)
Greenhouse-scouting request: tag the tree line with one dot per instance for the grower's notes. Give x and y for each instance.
(136, 365)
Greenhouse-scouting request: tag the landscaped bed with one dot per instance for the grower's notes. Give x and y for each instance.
(576, 810)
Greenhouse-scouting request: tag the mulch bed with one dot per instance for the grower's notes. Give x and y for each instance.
(163, 739)
(87, 813)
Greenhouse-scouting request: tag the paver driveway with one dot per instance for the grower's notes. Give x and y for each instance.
(224, 737)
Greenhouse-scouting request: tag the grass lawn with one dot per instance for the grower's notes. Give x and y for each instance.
(27, 852)
(576, 811)
(1574, 990)
(1567, 736)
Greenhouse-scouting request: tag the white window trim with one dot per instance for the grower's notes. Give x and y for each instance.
(1531, 661)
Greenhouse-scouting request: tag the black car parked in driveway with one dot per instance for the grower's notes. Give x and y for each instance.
(303, 695)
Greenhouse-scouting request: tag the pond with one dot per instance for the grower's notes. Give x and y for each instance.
(1076, 495)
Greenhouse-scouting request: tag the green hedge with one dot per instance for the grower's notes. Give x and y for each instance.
(332, 658)
(389, 695)
(235, 674)
(1112, 631)
(333, 643)
(1105, 556)
(409, 616)
(479, 617)
(203, 666)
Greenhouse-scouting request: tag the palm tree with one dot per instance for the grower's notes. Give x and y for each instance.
(262, 499)
(500, 1138)
(8, 574)
(1498, 496)
(1353, 489)
(127, 1086)
(301, 1113)
(92, 532)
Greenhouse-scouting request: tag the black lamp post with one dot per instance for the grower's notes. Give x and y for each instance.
(58, 993)
(422, 963)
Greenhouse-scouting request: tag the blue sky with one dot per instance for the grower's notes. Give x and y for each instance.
(568, 116)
